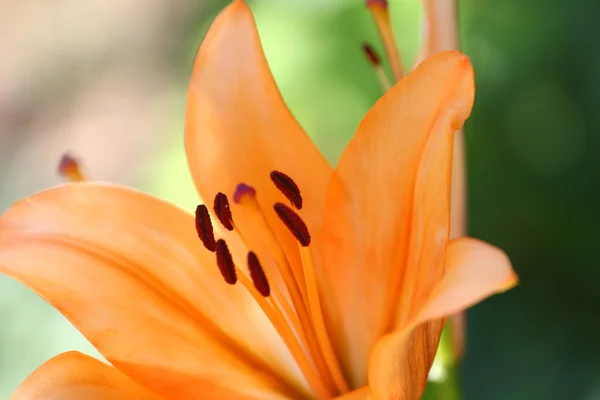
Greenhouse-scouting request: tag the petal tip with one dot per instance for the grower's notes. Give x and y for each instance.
(228, 17)
(511, 282)
(445, 56)
(236, 6)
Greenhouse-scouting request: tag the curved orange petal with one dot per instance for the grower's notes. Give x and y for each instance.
(238, 129)
(386, 218)
(130, 273)
(400, 363)
(474, 271)
(76, 376)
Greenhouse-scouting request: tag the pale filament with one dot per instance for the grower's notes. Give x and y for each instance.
(279, 297)
(375, 61)
(383, 79)
(275, 315)
(316, 312)
(379, 10)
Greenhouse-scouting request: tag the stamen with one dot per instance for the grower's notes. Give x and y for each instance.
(293, 279)
(288, 187)
(204, 228)
(381, 3)
(241, 191)
(293, 222)
(222, 211)
(245, 196)
(274, 313)
(371, 54)
(379, 10)
(375, 61)
(257, 273)
(288, 313)
(69, 168)
(225, 262)
(316, 312)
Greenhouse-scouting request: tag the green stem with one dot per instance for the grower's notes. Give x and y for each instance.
(450, 388)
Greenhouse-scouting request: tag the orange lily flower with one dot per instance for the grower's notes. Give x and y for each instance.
(303, 282)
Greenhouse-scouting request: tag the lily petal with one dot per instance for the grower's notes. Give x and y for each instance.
(130, 273)
(387, 210)
(474, 271)
(238, 129)
(400, 362)
(75, 376)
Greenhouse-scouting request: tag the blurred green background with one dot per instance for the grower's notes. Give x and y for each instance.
(106, 80)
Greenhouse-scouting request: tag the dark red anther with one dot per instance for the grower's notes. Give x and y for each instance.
(69, 168)
(288, 187)
(67, 163)
(225, 262)
(242, 190)
(258, 276)
(294, 223)
(371, 54)
(379, 3)
(204, 227)
(222, 211)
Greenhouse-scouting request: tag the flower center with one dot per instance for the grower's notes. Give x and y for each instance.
(294, 308)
